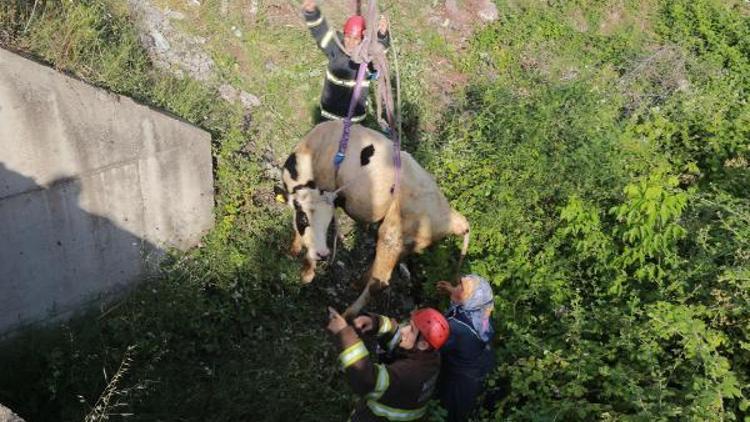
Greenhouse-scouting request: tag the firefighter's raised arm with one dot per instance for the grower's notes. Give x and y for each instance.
(354, 357)
(319, 27)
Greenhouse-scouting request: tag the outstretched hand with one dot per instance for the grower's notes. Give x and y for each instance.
(382, 25)
(336, 322)
(309, 5)
(446, 287)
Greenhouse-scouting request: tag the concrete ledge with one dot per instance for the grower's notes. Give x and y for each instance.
(93, 188)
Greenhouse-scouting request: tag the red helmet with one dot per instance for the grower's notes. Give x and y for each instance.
(355, 26)
(432, 325)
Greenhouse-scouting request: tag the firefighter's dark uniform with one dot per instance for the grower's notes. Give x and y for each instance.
(341, 74)
(395, 391)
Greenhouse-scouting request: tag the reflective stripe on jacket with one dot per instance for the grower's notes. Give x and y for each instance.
(396, 391)
(341, 75)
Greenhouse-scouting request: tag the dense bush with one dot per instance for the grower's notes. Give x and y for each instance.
(616, 232)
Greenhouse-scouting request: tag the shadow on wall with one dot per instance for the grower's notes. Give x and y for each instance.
(55, 257)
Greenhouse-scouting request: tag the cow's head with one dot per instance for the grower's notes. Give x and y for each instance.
(313, 214)
(313, 209)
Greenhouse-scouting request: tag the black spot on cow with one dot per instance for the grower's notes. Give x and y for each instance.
(291, 166)
(366, 154)
(310, 184)
(340, 201)
(300, 219)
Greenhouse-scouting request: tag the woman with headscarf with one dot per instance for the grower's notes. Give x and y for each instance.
(466, 357)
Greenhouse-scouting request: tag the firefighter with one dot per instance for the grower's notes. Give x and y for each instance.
(400, 389)
(467, 357)
(341, 73)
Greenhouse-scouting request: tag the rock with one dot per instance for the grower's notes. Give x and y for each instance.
(269, 157)
(272, 172)
(249, 147)
(6, 415)
(249, 100)
(160, 43)
(228, 93)
(167, 47)
(253, 7)
(488, 12)
(171, 14)
(451, 6)
(231, 94)
(268, 162)
(247, 121)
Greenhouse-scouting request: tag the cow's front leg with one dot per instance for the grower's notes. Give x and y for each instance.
(308, 270)
(387, 254)
(296, 247)
(383, 265)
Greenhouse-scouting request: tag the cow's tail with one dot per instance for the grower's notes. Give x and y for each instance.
(461, 227)
(464, 249)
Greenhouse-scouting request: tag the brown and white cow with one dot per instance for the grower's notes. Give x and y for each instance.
(411, 220)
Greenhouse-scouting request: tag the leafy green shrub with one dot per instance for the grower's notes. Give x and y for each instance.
(600, 222)
(710, 122)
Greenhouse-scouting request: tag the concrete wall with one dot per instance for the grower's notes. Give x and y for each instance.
(93, 188)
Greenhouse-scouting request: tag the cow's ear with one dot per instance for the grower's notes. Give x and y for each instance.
(281, 194)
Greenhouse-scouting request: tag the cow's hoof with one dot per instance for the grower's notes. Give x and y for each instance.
(308, 276)
(404, 272)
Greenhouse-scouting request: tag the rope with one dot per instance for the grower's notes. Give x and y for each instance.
(464, 249)
(344, 142)
(397, 135)
(371, 51)
(332, 261)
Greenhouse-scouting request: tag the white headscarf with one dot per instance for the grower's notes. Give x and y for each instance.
(476, 307)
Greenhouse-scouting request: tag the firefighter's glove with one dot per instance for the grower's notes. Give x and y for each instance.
(363, 323)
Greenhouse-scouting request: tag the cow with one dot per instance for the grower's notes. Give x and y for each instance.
(411, 217)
